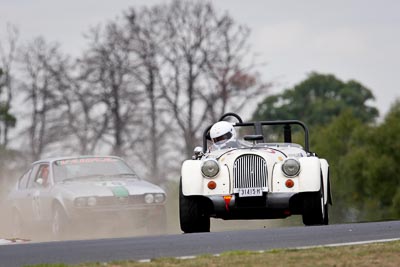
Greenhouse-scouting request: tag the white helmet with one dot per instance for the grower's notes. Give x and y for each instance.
(221, 132)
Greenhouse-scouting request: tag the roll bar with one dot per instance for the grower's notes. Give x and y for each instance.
(287, 129)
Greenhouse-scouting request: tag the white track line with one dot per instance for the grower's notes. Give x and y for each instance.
(350, 243)
(306, 247)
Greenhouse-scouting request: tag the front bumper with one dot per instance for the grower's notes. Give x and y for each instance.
(269, 206)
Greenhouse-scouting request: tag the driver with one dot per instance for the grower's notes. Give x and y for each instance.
(223, 135)
(44, 174)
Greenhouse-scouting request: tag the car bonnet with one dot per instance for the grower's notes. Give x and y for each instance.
(110, 187)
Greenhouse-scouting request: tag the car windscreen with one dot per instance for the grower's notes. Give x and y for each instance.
(273, 135)
(84, 168)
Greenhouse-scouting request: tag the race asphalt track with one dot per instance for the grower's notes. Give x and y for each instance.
(141, 248)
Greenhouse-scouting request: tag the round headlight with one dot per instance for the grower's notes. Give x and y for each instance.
(149, 198)
(159, 198)
(210, 168)
(291, 167)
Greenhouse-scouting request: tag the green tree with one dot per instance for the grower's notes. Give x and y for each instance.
(8, 156)
(383, 176)
(7, 120)
(8, 53)
(363, 166)
(339, 142)
(317, 100)
(372, 171)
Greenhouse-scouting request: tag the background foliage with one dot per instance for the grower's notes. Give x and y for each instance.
(362, 153)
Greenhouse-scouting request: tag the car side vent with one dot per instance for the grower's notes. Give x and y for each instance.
(249, 171)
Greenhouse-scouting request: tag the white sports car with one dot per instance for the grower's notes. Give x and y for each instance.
(59, 194)
(254, 179)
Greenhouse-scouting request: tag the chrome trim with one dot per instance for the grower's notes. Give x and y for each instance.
(250, 171)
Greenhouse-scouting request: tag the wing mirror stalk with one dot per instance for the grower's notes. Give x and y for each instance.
(198, 152)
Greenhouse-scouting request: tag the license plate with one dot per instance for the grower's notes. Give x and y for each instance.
(250, 192)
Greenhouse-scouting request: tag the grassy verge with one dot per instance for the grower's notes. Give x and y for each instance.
(377, 254)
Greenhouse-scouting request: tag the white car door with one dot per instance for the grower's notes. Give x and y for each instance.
(40, 193)
(24, 197)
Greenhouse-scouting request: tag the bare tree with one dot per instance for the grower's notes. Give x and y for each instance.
(231, 81)
(146, 35)
(107, 66)
(43, 69)
(86, 123)
(187, 27)
(206, 71)
(146, 86)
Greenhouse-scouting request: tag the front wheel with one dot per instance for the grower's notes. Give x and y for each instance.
(315, 211)
(59, 222)
(193, 214)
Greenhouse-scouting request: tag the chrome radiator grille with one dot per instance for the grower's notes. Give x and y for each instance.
(249, 171)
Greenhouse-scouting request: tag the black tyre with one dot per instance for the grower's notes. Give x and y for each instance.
(59, 223)
(193, 214)
(315, 212)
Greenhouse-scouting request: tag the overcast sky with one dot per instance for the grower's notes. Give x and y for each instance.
(357, 39)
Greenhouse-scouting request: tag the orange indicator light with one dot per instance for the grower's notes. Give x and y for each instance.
(289, 183)
(212, 185)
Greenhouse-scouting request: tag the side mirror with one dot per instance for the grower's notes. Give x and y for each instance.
(39, 181)
(198, 152)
